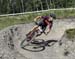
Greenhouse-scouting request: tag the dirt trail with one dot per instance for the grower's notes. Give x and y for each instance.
(15, 34)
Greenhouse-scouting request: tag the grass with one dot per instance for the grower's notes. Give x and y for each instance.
(70, 33)
(18, 19)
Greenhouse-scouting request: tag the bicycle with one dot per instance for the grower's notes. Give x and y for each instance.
(30, 41)
(31, 44)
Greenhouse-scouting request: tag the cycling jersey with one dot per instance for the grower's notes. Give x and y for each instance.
(44, 22)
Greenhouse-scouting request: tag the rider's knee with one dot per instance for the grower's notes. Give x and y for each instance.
(35, 27)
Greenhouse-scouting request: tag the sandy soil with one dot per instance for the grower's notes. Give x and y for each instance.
(11, 37)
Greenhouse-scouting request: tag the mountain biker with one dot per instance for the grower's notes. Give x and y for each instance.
(44, 22)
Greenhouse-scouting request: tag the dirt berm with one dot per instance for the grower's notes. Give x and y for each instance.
(11, 37)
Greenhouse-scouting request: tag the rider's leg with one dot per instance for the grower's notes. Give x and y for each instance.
(42, 30)
(34, 28)
(30, 33)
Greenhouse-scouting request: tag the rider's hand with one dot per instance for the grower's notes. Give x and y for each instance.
(46, 33)
(34, 20)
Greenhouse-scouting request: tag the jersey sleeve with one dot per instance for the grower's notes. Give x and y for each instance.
(45, 17)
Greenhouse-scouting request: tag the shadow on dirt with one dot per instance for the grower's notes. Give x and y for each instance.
(39, 45)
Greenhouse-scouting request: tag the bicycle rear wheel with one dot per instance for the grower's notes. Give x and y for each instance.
(34, 48)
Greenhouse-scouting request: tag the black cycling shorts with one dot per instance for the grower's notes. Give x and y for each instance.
(41, 24)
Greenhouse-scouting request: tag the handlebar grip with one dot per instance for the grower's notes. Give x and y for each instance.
(36, 23)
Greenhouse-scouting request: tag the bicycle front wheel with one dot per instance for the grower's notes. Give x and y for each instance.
(24, 43)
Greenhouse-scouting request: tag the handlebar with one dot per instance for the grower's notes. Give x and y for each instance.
(36, 23)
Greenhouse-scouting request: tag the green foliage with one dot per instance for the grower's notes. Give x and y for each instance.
(70, 33)
(18, 19)
(17, 6)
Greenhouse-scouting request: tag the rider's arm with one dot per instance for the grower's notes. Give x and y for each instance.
(37, 18)
(49, 27)
(48, 30)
